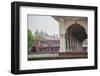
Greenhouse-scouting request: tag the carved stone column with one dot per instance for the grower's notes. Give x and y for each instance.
(62, 35)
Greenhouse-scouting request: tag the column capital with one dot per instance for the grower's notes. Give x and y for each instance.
(59, 18)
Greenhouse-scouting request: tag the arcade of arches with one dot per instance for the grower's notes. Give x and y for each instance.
(74, 36)
(73, 33)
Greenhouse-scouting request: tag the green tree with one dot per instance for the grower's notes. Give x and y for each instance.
(30, 39)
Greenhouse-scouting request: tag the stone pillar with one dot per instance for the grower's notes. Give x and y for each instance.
(71, 48)
(62, 35)
(81, 49)
(73, 42)
(67, 41)
(76, 45)
(70, 40)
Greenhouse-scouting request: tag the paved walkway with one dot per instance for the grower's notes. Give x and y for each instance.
(42, 55)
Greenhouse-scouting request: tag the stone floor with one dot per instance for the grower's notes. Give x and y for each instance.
(61, 55)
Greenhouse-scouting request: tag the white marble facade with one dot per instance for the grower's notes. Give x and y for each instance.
(64, 23)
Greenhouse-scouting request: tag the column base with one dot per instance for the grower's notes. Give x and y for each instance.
(63, 50)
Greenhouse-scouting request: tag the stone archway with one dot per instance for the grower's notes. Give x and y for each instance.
(74, 37)
(67, 24)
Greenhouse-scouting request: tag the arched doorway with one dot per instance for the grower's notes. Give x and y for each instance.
(74, 36)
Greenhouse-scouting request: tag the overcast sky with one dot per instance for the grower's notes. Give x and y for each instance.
(45, 23)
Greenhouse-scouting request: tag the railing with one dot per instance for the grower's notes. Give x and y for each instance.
(45, 49)
(74, 54)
